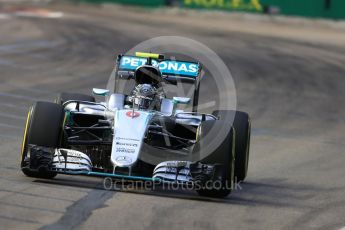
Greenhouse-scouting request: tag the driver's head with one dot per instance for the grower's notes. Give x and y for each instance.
(148, 75)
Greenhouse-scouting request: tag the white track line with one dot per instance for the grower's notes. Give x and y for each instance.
(4, 16)
(12, 137)
(16, 96)
(11, 116)
(13, 106)
(38, 14)
(10, 126)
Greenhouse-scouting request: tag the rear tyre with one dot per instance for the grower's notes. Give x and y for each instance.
(222, 155)
(242, 125)
(63, 97)
(43, 128)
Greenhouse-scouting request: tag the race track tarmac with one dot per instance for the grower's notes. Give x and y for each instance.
(293, 90)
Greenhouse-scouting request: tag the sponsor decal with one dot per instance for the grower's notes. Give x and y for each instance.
(127, 144)
(166, 67)
(126, 139)
(74, 154)
(74, 159)
(124, 159)
(177, 164)
(132, 114)
(250, 5)
(124, 150)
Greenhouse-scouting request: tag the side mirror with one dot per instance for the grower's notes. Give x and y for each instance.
(181, 100)
(100, 92)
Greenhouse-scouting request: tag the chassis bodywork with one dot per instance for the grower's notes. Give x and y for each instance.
(116, 139)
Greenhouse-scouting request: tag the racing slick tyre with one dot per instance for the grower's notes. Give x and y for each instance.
(242, 125)
(222, 155)
(63, 97)
(43, 128)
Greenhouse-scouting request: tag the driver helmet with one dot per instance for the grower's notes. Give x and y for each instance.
(148, 75)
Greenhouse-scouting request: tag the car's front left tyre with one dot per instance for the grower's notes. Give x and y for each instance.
(242, 125)
(220, 134)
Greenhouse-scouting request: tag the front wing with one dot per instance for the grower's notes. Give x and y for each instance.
(72, 162)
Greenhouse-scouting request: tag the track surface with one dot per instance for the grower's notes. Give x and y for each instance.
(294, 92)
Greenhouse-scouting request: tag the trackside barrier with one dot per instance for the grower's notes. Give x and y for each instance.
(334, 9)
(148, 3)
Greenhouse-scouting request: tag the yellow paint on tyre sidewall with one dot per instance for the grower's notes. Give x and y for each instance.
(25, 134)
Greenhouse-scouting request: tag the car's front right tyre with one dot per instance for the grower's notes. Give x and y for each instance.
(43, 128)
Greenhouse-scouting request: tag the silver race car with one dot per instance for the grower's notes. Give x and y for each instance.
(140, 132)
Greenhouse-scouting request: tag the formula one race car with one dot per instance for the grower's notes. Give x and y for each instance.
(139, 133)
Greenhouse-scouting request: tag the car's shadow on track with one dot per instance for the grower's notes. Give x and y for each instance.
(268, 192)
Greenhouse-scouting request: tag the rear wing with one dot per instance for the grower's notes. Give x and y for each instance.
(167, 67)
(172, 70)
